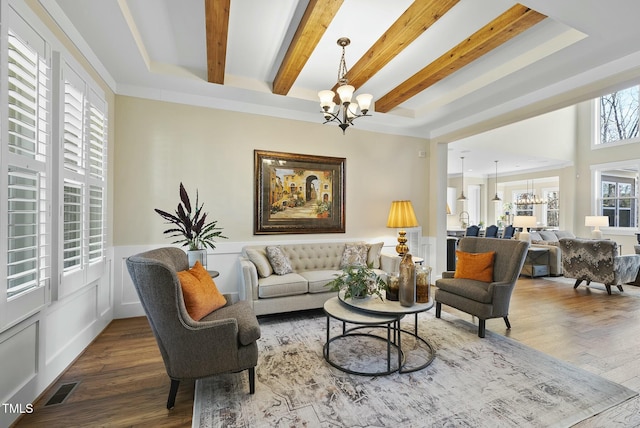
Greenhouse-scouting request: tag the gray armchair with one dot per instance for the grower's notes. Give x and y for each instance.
(223, 341)
(484, 300)
(597, 260)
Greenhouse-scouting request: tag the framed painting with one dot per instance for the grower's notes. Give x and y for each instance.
(297, 193)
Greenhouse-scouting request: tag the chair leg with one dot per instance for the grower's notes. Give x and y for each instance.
(438, 309)
(481, 327)
(578, 281)
(171, 401)
(619, 287)
(506, 321)
(608, 287)
(252, 380)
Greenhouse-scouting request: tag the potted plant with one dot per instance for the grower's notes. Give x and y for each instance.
(358, 282)
(191, 228)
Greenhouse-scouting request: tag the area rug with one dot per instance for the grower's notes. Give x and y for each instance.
(472, 382)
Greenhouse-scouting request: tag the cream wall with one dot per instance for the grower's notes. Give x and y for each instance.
(160, 144)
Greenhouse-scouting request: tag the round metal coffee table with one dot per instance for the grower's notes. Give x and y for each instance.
(371, 312)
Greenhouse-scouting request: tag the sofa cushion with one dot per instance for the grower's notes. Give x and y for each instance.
(279, 261)
(201, 296)
(282, 285)
(354, 255)
(259, 258)
(314, 256)
(476, 266)
(373, 255)
(535, 236)
(318, 279)
(548, 236)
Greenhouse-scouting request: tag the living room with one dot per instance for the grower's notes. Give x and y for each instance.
(159, 137)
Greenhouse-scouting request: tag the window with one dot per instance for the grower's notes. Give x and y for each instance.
(522, 209)
(616, 195)
(618, 116)
(619, 200)
(552, 211)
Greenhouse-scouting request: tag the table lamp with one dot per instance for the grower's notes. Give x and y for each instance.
(401, 215)
(596, 221)
(524, 221)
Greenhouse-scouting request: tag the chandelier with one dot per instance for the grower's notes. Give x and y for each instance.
(347, 111)
(530, 198)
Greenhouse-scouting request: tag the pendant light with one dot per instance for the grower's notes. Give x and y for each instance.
(462, 197)
(496, 198)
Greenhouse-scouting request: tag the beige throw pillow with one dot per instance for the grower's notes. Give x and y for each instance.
(261, 261)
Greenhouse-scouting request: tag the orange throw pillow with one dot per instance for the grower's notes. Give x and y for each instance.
(201, 296)
(478, 266)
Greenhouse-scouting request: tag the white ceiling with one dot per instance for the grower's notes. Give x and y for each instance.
(157, 49)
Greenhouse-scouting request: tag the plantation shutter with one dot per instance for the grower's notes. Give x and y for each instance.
(73, 149)
(97, 176)
(25, 162)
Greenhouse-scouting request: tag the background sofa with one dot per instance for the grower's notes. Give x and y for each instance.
(549, 239)
(313, 266)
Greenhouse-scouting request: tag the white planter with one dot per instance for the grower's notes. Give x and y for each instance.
(195, 255)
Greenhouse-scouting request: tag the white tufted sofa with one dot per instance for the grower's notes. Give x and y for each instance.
(314, 265)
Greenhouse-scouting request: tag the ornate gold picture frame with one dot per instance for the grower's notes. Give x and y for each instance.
(297, 193)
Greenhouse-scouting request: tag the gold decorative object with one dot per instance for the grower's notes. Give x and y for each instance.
(401, 215)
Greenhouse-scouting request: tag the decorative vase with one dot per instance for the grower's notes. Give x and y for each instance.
(197, 255)
(407, 288)
(393, 285)
(423, 284)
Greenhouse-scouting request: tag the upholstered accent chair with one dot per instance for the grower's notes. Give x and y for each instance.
(482, 299)
(597, 260)
(221, 342)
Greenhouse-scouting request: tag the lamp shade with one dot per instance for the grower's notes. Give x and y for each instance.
(596, 220)
(401, 214)
(524, 221)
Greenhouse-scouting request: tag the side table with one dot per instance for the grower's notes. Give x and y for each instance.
(537, 262)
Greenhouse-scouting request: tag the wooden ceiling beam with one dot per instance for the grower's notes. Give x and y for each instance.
(314, 23)
(505, 27)
(417, 19)
(217, 25)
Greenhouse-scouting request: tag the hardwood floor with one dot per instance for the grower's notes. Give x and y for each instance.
(122, 381)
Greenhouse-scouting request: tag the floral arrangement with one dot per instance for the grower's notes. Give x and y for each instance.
(191, 226)
(357, 282)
